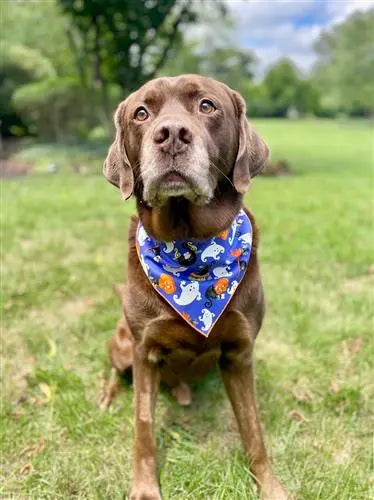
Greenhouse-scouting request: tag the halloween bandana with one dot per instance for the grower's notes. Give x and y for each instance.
(198, 277)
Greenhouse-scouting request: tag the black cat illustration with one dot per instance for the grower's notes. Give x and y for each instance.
(188, 257)
(216, 290)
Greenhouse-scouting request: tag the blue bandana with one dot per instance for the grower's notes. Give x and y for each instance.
(198, 278)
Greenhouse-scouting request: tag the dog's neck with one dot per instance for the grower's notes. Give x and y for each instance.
(180, 219)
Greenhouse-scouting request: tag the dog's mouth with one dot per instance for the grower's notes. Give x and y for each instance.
(173, 180)
(169, 184)
(173, 176)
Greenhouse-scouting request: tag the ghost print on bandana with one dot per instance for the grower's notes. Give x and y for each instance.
(198, 278)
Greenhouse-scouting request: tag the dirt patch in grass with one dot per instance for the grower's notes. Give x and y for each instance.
(10, 168)
(276, 168)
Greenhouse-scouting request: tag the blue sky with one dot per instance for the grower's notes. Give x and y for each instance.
(282, 28)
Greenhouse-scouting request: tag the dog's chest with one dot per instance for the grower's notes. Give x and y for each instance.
(181, 352)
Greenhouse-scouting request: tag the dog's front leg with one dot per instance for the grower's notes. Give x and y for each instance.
(146, 380)
(237, 373)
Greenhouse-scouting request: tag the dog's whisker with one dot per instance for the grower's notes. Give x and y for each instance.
(223, 173)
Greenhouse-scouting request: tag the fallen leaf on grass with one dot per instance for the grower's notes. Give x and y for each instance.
(17, 414)
(355, 345)
(301, 396)
(175, 435)
(352, 346)
(46, 391)
(334, 386)
(298, 416)
(26, 469)
(32, 451)
(78, 306)
(52, 348)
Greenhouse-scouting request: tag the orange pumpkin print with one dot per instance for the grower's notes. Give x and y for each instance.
(167, 283)
(237, 252)
(223, 234)
(221, 286)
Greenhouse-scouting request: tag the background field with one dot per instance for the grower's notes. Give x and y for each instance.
(65, 245)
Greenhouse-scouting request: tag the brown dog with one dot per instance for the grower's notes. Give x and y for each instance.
(184, 148)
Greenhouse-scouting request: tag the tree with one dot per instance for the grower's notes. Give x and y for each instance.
(286, 89)
(124, 42)
(231, 65)
(98, 51)
(345, 69)
(281, 82)
(257, 98)
(32, 51)
(20, 65)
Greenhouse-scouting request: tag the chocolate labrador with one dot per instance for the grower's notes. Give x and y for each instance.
(194, 297)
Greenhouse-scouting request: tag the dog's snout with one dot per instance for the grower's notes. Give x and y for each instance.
(172, 137)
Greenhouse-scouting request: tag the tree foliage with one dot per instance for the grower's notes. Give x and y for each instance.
(67, 63)
(345, 69)
(34, 49)
(125, 41)
(286, 89)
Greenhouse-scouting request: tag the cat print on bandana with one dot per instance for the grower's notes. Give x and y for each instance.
(198, 278)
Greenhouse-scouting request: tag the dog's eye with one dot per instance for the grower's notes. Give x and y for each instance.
(141, 114)
(207, 106)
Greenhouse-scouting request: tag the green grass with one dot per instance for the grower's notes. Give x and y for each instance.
(65, 245)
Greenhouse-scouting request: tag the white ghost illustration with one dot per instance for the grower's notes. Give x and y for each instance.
(213, 250)
(207, 319)
(221, 272)
(145, 266)
(246, 238)
(142, 236)
(189, 293)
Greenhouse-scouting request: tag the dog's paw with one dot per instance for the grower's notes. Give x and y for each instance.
(182, 394)
(145, 491)
(272, 489)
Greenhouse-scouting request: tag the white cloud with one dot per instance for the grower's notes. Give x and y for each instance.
(340, 10)
(273, 29)
(283, 28)
(285, 40)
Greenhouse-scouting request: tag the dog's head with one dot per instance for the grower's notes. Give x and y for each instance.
(183, 137)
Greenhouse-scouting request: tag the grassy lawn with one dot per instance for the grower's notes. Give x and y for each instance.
(65, 245)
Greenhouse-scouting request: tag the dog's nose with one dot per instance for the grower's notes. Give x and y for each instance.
(172, 137)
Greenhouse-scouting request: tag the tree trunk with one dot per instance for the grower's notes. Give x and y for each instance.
(99, 81)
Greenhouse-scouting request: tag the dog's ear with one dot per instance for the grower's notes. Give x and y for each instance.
(117, 168)
(252, 151)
